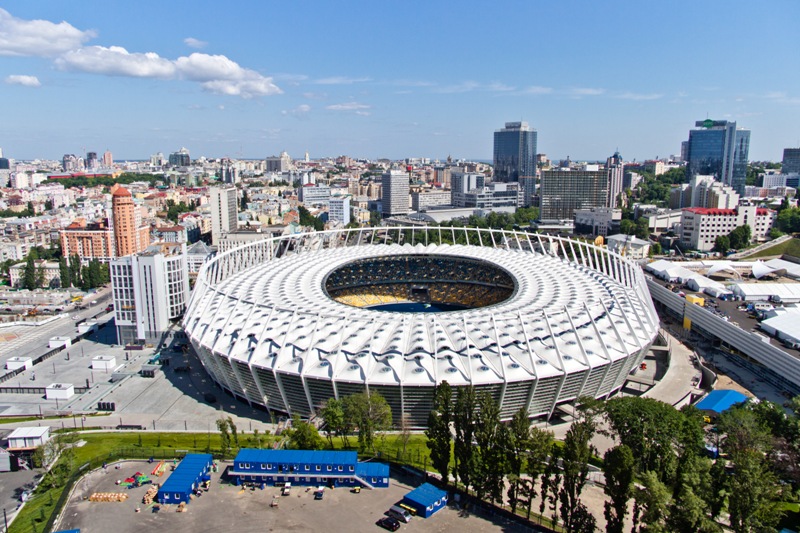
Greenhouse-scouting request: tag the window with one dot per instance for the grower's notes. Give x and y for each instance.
(307, 468)
(329, 468)
(340, 468)
(264, 467)
(317, 468)
(350, 468)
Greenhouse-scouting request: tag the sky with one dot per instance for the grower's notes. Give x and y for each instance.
(427, 78)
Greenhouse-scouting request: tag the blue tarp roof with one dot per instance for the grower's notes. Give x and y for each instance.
(719, 401)
(372, 470)
(188, 471)
(426, 495)
(297, 456)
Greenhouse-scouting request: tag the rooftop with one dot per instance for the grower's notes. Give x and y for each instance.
(721, 400)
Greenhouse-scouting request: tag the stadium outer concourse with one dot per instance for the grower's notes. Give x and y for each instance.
(564, 318)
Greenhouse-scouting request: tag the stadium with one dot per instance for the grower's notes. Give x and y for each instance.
(536, 321)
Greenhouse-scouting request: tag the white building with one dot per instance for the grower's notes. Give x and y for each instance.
(700, 226)
(597, 220)
(394, 193)
(629, 246)
(420, 201)
(664, 220)
(315, 194)
(150, 289)
(224, 212)
(28, 438)
(339, 209)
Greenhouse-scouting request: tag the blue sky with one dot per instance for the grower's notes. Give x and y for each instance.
(392, 79)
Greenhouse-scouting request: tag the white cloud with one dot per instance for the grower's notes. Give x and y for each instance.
(27, 81)
(363, 113)
(38, 37)
(216, 73)
(537, 89)
(638, 96)
(349, 106)
(340, 80)
(586, 91)
(191, 42)
(500, 87)
(300, 111)
(116, 61)
(245, 88)
(462, 87)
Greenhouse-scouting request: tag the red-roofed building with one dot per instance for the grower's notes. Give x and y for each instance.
(700, 226)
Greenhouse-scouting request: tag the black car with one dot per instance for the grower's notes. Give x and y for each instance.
(387, 522)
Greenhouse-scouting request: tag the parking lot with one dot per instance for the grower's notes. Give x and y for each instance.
(228, 507)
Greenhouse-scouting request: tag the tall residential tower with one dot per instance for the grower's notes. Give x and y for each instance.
(224, 213)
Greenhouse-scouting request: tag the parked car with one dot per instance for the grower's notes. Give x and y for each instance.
(389, 523)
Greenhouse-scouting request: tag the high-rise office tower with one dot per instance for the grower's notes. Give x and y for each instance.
(719, 149)
(108, 159)
(394, 193)
(224, 212)
(180, 158)
(616, 171)
(791, 161)
(514, 152)
(563, 191)
(130, 236)
(91, 160)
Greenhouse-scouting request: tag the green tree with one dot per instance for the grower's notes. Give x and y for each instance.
(518, 443)
(40, 275)
(303, 435)
(722, 244)
(334, 421)
(651, 429)
(491, 438)
(370, 414)
(788, 220)
(438, 432)
(464, 425)
(75, 271)
(574, 456)
(540, 443)
(224, 437)
(743, 431)
(740, 237)
(48, 205)
(29, 273)
(627, 227)
(618, 467)
(374, 218)
(64, 273)
(754, 494)
(651, 505)
(642, 230)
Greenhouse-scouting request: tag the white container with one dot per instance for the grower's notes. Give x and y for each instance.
(59, 391)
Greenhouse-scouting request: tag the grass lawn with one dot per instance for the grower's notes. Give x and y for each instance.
(790, 247)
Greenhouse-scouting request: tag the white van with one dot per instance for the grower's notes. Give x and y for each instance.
(395, 511)
(287, 488)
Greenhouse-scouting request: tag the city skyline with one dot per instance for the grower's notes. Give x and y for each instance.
(410, 80)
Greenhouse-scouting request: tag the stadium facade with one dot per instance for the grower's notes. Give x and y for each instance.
(534, 320)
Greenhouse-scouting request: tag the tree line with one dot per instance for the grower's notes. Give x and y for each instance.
(366, 414)
(660, 462)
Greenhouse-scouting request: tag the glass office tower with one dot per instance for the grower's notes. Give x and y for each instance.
(717, 148)
(514, 152)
